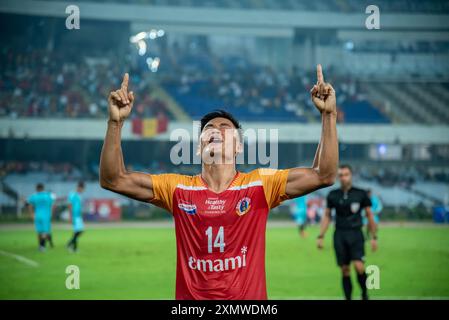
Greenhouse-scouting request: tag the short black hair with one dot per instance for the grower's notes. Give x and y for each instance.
(81, 184)
(40, 187)
(219, 113)
(346, 166)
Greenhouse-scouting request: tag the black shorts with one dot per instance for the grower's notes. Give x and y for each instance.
(349, 246)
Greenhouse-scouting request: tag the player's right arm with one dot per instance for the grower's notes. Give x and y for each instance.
(323, 227)
(29, 206)
(113, 173)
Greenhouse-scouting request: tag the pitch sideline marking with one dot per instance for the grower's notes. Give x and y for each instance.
(19, 258)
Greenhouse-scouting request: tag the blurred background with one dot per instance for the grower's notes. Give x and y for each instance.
(256, 59)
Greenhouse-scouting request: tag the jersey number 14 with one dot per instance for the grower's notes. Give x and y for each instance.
(219, 239)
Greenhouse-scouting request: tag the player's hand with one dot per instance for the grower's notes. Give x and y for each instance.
(120, 101)
(323, 95)
(319, 243)
(373, 245)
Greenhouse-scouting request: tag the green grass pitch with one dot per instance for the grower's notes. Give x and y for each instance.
(139, 263)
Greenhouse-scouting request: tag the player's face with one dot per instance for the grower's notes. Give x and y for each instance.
(219, 142)
(345, 177)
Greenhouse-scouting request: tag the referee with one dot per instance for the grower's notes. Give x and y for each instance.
(349, 203)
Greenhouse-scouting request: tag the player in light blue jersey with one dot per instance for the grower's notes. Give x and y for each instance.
(376, 208)
(41, 207)
(75, 204)
(299, 213)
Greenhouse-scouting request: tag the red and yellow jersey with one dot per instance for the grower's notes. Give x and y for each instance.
(220, 237)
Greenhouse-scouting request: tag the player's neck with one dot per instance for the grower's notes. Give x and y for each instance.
(346, 188)
(218, 177)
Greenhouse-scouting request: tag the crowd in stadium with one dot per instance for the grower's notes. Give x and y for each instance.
(59, 171)
(239, 84)
(41, 83)
(402, 176)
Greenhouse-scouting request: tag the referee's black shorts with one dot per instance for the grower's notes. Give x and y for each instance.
(349, 245)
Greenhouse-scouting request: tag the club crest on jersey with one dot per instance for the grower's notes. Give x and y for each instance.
(243, 206)
(355, 206)
(187, 208)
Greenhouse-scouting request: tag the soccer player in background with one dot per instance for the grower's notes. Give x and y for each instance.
(299, 213)
(349, 243)
(41, 209)
(220, 214)
(75, 206)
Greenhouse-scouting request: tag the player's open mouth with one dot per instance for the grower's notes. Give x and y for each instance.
(215, 140)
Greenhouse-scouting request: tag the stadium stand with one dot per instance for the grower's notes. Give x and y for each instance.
(380, 83)
(424, 6)
(252, 92)
(404, 187)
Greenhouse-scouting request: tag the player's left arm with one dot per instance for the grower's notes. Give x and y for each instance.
(371, 227)
(30, 210)
(69, 207)
(323, 172)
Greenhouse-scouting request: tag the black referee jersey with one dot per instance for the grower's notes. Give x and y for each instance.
(348, 236)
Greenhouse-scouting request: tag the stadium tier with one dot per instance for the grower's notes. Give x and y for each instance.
(414, 6)
(42, 86)
(179, 76)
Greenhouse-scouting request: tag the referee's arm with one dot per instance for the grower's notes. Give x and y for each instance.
(372, 227)
(323, 227)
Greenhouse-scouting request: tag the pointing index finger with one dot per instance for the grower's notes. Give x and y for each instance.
(125, 81)
(319, 73)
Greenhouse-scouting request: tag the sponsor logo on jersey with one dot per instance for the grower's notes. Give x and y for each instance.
(187, 208)
(243, 206)
(214, 205)
(219, 265)
(355, 206)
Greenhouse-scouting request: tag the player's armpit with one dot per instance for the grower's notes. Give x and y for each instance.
(302, 181)
(274, 185)
(164, 186)
(135, 185)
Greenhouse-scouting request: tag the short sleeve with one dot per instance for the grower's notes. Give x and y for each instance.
(366, 201)
(274, 183)
(164, 186)
(329, 202)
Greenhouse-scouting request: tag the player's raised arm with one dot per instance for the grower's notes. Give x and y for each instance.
(113, 174)
(325, 165)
